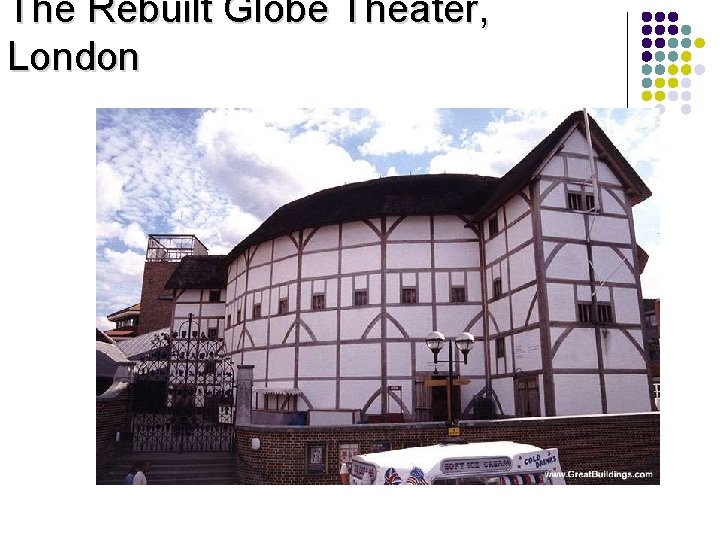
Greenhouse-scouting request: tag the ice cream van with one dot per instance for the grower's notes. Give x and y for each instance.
(493, 463)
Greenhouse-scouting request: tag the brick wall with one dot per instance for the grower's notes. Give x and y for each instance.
(154, 313)
(112, 415)
(590, 443)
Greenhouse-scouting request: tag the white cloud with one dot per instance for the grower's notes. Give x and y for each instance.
(412, 131)
(135, 237)
(261, 164)
(128, 263)
(109, 190)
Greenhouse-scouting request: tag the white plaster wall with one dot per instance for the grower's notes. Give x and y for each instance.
(405, 395)
(605, 174)
(563, 224)
(495, 248)
(505, 392)
(321, 394)
(577, 394)
(239, 286)
(361, 259)
(627, 393)
(561, 302)
(555, 198)
(526, 350)
(610, 204)
(283, 247)
(610, 267)
(457, 255)
(611, 229)
(500, 311)
(451, 228)
(476, 361)
(627, 309)
(408, 255)
(323, 324)
(285, 270)
(279, 327)
(523, 267)
(520, 232)
(515, 207)
(578, 168)
(262, 254)
(619, 352)
(453, 319)
(415, 320)
(356, 232)
(424, 287)
(318, 264)
(257, 359)
(571, 262)
(410, 228)
(578, 350)
(324, 238)
(281, 363)
(354, 394)
(317, 361)
(214, 309)
(577, 143)
(183, 310)
(521, 302)
(258, 331)
(399, 363)
(354, 322)
(259, 277)
(442, 286)
(360, 360)
(554, 167)
(474, 287)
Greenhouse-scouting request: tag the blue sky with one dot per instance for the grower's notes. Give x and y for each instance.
(218, 173)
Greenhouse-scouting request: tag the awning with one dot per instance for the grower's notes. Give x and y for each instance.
(278, 391)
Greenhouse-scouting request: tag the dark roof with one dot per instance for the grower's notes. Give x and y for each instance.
(524, 172)
(100, 336)
(416, 195)
(199, 272)
(128, 310)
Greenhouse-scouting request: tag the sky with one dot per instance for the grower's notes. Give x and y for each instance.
(219, 173)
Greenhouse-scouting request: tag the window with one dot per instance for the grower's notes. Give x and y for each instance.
(229, 320)
(497, 288)
(589, 201)
(361, 298)
(493, 225)
(579, 201)
(409, 295)
(214, 296)
(318, 301)
(585, 312)
(500, 348)
(457, 295)
(575, 201)
(256, 313)
(283, 307)
(237, 320)
(212, 333)
(603, 314)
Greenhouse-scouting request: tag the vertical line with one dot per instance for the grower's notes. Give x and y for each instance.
(627, 59)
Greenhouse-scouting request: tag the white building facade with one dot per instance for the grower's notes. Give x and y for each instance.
(331, 299)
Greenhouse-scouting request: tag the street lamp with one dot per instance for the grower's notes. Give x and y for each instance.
(435, 342)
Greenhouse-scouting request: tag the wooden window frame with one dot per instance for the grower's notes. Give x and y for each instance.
(493, 226)
(257, 311)
(318, 301)
(214, 295)
(412, 297)
(496, 288)
(360, 297)
(500, 351)
(463, 297)
(283, 306)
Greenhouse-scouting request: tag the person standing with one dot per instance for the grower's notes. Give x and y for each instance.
(140, 479)
(131, 474)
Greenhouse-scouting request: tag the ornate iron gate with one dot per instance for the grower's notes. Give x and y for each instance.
(184, 394)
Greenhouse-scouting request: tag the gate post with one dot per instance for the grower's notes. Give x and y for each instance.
(243, 399)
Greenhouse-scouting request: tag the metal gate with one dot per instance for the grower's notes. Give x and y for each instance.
(184, 394)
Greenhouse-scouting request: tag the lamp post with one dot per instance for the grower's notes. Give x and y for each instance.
(435, 342)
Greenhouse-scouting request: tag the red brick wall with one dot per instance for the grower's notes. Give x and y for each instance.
(592, 443)
(154, 313)
(112, 415)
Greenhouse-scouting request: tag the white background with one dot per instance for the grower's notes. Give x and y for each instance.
(533, 54)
